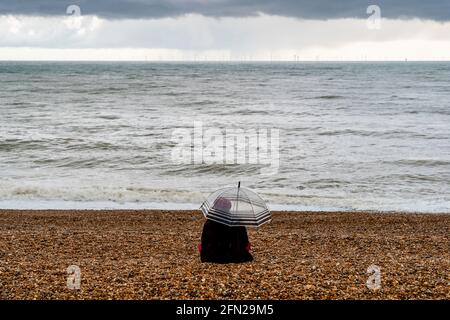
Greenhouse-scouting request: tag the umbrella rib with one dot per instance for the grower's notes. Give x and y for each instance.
(250, 201)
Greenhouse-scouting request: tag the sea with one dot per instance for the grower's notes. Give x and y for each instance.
(342, 136)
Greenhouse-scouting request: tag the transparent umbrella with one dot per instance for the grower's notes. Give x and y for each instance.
(236, 206)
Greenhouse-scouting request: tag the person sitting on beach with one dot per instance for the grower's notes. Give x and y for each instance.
(224, 244)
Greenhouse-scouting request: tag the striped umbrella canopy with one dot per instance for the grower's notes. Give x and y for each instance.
(236, 206)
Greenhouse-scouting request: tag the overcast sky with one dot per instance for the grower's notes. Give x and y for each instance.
(224, 30)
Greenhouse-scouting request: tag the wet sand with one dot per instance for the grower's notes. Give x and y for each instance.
(153, 255)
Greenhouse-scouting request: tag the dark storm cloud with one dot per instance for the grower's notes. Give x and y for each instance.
(310, 9)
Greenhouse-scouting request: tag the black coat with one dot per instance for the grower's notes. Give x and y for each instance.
(224, 244)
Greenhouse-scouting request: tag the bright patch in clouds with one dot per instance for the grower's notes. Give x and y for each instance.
(195, 37)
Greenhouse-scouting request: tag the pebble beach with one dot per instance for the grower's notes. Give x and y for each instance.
(151, 254)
